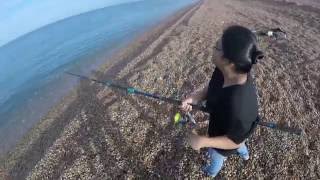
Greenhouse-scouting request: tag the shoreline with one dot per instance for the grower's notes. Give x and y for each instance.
(32, 105)
(45, 128)
(105, 134)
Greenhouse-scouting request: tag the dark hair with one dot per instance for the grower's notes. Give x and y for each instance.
(239, 46)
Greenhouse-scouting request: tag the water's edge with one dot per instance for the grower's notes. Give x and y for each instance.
(111, 66)
(61, 93)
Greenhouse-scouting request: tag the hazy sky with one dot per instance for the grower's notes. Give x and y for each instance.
(18, 17)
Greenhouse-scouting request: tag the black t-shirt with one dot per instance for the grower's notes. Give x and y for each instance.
(233, 109)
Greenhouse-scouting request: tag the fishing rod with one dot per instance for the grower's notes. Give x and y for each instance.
(188, 120)
(131, 90)
(277, 33)
(178, 119)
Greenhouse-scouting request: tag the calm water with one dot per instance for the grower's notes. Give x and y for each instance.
(32, 67)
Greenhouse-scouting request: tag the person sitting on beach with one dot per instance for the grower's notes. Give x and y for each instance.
(230, 98)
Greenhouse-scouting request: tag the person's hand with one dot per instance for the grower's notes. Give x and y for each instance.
(185, 106)
(196, 141)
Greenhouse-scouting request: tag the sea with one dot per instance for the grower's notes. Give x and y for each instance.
(33, 66)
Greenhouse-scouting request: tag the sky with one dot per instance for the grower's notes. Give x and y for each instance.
(18, 17)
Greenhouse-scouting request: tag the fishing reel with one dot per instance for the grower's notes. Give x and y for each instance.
(184, 120)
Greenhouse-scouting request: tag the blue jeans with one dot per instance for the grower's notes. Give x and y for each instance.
(216, 160)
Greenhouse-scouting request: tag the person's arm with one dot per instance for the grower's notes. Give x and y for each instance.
(220, 142)
(195, 97)
(200, 94)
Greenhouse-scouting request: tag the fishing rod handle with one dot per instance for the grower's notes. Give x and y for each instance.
(169, 100)
(296, 131)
